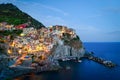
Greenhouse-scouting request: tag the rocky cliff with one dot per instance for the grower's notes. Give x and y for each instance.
(56, 46)
(44, 47)
(63, 51)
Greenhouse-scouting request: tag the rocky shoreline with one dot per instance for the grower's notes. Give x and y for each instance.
(9, 73)
(61, 52)
(106, 63)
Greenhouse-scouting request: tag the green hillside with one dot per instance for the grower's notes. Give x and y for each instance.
(12, 15)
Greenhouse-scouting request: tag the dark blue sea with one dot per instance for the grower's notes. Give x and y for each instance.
(87, 69)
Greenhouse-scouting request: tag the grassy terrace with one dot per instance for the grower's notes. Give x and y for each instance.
(9, 32)
(12, 34)
(12, 20)
(74, 42)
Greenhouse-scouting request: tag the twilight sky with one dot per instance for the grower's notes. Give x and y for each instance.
(93, 20)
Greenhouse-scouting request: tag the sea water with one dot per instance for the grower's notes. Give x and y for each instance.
(87, 69)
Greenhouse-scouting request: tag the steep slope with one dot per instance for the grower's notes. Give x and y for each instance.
(34, 50)
(11, 14)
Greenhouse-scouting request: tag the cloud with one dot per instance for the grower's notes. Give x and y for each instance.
(52, 20)
(117, 32)
(54, 9)
(7, 1)
(89, 33)
(113, 9)
(51, 8)
(95, 15)
(86, 28)
(113, 35)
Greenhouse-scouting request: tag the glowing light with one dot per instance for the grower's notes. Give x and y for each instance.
(20, 51)
(13, 44)
(38, 44)
(22, 34)
(29, 50)
(9, 51)
(46, 50)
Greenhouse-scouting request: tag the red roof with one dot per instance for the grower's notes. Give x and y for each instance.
(21, 26)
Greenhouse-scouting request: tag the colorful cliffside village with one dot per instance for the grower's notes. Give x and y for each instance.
(34, 44)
